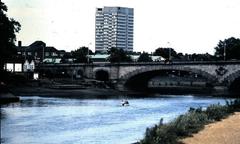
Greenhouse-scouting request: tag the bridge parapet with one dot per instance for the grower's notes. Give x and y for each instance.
(199, 70)
(220, 72)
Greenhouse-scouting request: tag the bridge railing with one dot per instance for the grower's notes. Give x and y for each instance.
(172, 63)
(144, 63)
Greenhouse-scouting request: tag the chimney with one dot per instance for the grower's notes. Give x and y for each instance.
(19, 44)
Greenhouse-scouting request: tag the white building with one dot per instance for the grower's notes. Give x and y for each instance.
(114, 28)
(13, 67)
(29, 67)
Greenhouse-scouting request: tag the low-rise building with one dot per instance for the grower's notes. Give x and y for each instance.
(39, 52)
(99, 57)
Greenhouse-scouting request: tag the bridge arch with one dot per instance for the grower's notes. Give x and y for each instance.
(233, 82)
(146, 70)
(232, 77)
(101, 74)
(79, 73)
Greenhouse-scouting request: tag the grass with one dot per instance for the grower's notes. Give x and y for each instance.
(188, 124)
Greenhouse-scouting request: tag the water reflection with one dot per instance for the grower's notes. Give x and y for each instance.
(69, 121)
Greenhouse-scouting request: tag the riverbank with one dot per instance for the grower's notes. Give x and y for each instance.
(8, 98)
(90, 88)
(226, 131)
(190, 123)
(76, 91)
(62, 88)
(85, 93)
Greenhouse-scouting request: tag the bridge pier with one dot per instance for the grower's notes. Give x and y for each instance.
(119, 85)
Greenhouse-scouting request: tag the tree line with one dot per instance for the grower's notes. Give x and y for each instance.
(228, 49)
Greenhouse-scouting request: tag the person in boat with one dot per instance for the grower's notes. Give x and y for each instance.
(125, 103)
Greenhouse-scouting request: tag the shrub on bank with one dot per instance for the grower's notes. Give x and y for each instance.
(217, 112)
(233, 105)
(160, 134)
(189, 123)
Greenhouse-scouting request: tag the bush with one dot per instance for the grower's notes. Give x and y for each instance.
(160, 134)
(192, 122)
(216, 112)
(184, 125)
(150, 135)
(166, 135)
(189, 123)
(233, 105)
(11, 78)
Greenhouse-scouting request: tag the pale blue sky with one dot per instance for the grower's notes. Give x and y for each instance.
(190, 26)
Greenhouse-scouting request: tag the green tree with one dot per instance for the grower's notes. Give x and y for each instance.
(66, 57)
(118, 55)
(145, 57)
(164, 52)
(133, 53)
(81, 54)
(200, 57)
(232, 49)
(8, 28)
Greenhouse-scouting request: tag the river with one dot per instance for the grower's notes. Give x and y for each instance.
(42, 120)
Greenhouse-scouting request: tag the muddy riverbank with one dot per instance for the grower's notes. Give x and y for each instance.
(71, 93)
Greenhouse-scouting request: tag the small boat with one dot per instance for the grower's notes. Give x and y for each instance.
(125, 103)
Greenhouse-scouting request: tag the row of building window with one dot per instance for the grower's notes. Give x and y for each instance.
(38, 54)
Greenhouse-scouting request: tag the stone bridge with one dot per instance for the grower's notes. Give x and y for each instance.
(217, 72)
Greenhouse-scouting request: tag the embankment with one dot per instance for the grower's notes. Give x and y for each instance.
(226, 131)
(8, 98)
(68, 93)
(196, 120)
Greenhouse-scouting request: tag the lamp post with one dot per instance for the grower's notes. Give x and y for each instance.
(224, 52)
(43, 53)
(88, 52)
(88, 55)
(169, 57)
(25, 53)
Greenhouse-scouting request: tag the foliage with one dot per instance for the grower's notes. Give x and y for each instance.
(216, 112)
(160, 134)
(145, 57)
(233, 105)
(66, 57)
(232, 47)
(81, 55)
(189, 123)
(199, 57)
(8, 28)
(11, 78)
(165, 52)
(133, 53)
(118, 55)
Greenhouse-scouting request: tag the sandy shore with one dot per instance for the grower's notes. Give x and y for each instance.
(226, 131)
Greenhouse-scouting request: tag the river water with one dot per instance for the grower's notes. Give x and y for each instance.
(41, 120)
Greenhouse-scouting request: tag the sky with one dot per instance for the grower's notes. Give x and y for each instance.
(188, 26)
